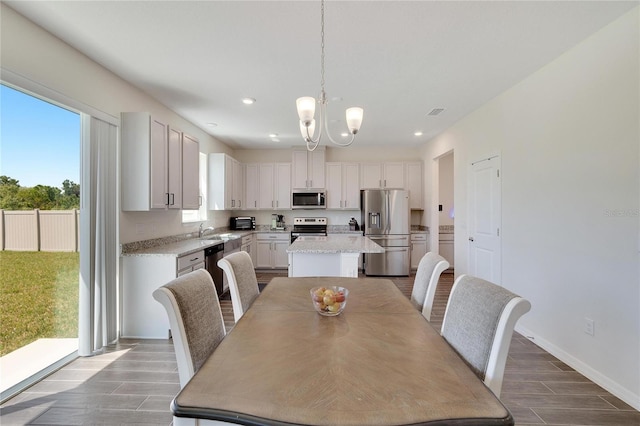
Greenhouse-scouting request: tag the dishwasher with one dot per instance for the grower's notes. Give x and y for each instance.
(211, 256)
(232, 245)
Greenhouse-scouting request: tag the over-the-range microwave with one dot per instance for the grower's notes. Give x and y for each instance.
(308, 199)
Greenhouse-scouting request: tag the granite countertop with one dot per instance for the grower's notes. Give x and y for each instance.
(175, 249)
(185, 246)
(334, 244)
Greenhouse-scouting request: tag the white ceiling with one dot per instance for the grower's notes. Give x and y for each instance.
(396, 59)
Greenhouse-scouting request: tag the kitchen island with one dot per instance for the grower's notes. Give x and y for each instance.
(328, 256)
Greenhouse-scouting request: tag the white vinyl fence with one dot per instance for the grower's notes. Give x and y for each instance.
(39, 230)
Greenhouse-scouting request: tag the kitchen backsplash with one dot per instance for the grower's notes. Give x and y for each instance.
(446, 229)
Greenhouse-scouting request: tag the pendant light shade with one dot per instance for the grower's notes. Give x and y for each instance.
(306, 108)
(307, 135)
(354, 119)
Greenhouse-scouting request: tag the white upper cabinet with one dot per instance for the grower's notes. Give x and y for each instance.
(190, 173)
(283, 185)
(414, 183)
(343, 186)
(251, 185)
(308, 169)
(382, 175)
(153, 164)
(226, 182)
(174, 162)
(272, 187)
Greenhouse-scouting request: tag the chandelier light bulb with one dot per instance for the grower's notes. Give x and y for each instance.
(306, 108)
(354, 119)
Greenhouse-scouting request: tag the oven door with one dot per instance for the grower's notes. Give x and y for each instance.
(295, 234)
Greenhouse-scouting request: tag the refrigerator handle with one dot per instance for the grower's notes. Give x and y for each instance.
(388, 213)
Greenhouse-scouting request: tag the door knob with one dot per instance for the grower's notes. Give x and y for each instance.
(471, 239)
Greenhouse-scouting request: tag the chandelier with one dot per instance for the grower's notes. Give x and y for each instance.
(307, 106)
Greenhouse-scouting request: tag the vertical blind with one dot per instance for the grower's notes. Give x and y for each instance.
(98, 296)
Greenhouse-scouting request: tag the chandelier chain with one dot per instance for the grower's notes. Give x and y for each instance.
(322, 45)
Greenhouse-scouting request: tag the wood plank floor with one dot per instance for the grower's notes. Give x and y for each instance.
(135, 380)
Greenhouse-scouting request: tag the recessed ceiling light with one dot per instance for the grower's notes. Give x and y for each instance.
(344, 134)
(273, 135)
(418, 133)
(248, 101)
(211, 124)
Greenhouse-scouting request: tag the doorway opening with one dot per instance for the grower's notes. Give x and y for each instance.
(40, 256)
(446, 209)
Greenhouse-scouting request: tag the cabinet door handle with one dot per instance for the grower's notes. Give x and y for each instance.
(194, 259)
(173, 199)
(167, 194)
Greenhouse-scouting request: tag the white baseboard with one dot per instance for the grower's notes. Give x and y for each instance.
(595, 376)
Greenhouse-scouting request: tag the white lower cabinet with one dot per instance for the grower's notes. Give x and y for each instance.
(418, 249)
(143, 316)
(249, 246)
(271, 250)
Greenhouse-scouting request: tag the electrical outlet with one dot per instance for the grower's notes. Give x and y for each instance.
(589, 326)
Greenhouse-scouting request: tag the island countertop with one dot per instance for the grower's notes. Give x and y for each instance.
(334, 244)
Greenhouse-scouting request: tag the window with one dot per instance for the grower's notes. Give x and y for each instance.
(199, 215)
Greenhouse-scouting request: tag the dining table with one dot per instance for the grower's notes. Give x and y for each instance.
(379, 362)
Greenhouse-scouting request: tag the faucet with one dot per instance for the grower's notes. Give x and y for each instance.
(201, 231)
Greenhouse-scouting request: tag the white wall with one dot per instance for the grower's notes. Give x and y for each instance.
(35, 55)
(569, 137)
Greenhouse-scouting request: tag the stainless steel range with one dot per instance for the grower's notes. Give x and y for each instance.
(308, 226)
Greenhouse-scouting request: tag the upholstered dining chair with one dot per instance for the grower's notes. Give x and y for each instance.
(478, 323)
(426, 281)
(195, 318)
(243, 284)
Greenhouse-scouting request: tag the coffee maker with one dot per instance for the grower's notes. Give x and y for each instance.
(277, 221)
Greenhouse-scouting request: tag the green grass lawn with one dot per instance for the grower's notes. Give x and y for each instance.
(38, 297)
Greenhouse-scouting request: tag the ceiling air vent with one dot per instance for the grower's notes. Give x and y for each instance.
(435, 111)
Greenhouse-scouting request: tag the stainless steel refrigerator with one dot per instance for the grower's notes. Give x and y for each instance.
(386, 220)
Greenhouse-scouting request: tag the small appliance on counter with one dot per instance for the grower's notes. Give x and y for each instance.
(353, 225)
(277, 222)
(239, 223)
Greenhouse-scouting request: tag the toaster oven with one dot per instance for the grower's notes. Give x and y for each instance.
(237, 223)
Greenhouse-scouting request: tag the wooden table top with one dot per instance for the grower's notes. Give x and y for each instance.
(378, 363)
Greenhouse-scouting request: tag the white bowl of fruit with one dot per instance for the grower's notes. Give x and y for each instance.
(329, 301)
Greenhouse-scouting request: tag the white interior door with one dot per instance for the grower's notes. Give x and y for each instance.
(485, 219)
